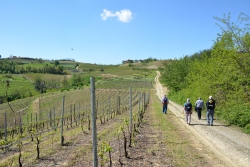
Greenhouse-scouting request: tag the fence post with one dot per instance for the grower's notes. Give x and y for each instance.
(130, 106)
(93, 111)
(50, 117)
(54, 117)
(5, 127)
(20, 122)
(62, 120)
(74, 112)
(109, 109)
(118, 105)
(139, 103)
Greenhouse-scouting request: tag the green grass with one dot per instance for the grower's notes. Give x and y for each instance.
(176, 140)
(17, 85)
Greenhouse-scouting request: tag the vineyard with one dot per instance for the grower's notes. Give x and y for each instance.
(39, 127)
(20, 86)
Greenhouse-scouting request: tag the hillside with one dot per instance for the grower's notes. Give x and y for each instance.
(61, 75)
(160, 140)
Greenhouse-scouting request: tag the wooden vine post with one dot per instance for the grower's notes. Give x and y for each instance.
(131, 118)
(5, 127)
(62, 139)
(20, 123)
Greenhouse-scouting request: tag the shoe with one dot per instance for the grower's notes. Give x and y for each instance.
(211, 124)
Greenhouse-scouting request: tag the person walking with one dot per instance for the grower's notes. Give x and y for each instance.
(188, 111)
(199, 105)
(210, 104)
(164, 102)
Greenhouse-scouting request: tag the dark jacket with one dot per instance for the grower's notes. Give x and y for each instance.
(210, 104)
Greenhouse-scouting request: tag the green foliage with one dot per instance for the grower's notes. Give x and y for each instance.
(56, 63)
(222, 71)
(237, 115)
(7, 66)
(27, 65)
(40, 85)
(19, 87)
(104, 148)
(175, 74)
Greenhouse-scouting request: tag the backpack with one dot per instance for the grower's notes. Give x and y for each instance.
(188, 106)
(165, 101)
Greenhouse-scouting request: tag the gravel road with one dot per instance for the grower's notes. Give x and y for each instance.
(227, 142)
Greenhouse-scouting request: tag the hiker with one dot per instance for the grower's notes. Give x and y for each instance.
(199, 105)
(165, 102)
(188, 111)
(210, 104)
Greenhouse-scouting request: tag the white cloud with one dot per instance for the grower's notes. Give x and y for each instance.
(124, 15)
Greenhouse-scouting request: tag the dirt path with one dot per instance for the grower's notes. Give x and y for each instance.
(228, 143)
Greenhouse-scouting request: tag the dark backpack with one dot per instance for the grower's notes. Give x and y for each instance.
(165, 101)
(188, 106)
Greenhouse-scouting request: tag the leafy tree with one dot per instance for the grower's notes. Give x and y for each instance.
(40, 85)
(57, 63)
(65, 82)
(77, 80)
(236, 31)
(175, 74)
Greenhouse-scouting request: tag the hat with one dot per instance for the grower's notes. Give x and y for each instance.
(210, 97)
(199, 98)
(188, 100)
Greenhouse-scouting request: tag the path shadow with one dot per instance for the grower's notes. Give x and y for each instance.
(206, 119)
(205, 124)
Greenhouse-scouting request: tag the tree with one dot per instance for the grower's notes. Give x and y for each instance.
(65, 82)
(237, 31)
(40, 85)
(57, 63)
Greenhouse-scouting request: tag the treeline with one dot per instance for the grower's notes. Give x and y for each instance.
(11, 67)
(222, 72)
(148, 60)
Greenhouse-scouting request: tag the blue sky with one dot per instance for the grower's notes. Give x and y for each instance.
(110, 31)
